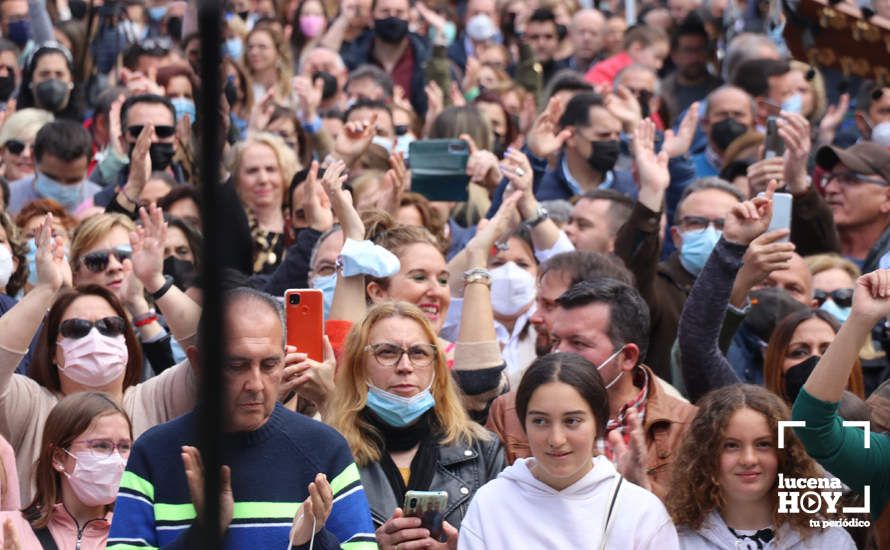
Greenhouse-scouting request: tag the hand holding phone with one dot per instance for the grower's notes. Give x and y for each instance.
(781, 213)
(430, 507)
(305, 321)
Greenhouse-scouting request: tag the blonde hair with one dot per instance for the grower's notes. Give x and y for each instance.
(24, 125)
(283, 70)
(94, 228)
(284, 155)
(817, 86)
(817, 263)
(351, 394)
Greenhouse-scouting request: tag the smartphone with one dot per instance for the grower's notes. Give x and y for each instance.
(773, 146)
(429, 506)
(781, 213)
(305, 321)
(439, 169)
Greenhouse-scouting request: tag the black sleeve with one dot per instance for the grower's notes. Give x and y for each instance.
(159, 354)
(293, 271)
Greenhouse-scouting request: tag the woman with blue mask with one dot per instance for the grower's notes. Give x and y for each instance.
(401, 413)
(180, 85)
(30, 219)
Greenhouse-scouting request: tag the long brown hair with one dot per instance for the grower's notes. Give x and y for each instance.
(71, 417)
(694, 491)
(352, 389)
(43, 366)
(780, 341)
(381, 228)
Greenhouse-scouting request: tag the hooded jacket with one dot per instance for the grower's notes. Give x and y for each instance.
(516, 510)
(714, 534)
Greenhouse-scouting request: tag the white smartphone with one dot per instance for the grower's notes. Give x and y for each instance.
(781, 212)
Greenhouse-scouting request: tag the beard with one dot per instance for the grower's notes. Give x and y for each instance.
(542, 343)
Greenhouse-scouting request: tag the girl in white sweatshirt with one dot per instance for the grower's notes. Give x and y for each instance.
(561, 498)
(725, 484)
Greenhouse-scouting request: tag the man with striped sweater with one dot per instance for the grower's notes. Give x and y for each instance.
(272, 455)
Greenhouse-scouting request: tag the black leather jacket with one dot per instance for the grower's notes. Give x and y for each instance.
(460, 471)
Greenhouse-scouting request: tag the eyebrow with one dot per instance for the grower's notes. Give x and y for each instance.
(568, 413)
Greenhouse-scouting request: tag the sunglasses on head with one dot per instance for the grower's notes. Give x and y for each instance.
(842, 297)
(78, 328)
(97, 260)
(17, 147)
(163, 131)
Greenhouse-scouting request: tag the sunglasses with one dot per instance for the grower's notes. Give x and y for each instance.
(17, 147)
(162, 131)
(97, 261)
(78, 328)
(842, 297)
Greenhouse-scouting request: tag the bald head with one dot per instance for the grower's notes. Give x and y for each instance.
(586, 32)
(796, 280)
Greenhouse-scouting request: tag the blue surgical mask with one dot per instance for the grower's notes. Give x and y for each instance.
(31, 258)
(367, 258)
(841, 313)
(234, 47)
(793, 104)
(69, 196)
(156, 13)
(398, 411)
(402, 143)
(326, 284)
(183, 106)
(384, 142)
(696, 247)
(20, 32)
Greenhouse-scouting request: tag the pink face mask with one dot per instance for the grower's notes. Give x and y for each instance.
(94, 360)
(311, 25)
(96, 479)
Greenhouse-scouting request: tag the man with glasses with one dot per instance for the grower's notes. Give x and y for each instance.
(856, 184)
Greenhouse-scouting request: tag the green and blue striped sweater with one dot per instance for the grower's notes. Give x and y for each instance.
(271, 470)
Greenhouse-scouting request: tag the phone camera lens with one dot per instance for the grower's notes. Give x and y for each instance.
(294, 299)
(413, 502)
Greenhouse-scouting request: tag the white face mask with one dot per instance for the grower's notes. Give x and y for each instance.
(6, 265)
(880, 134)
(96, 479)
(512, 289)
(608, 360)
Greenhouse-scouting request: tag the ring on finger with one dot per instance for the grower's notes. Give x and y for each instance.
(520, 172)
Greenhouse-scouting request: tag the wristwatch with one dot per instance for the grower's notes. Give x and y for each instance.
(541, 214)
(477, 275)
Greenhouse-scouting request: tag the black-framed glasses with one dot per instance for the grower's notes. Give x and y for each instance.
(17, 147)
(105, 447)
(97, 260)
(842, 297)
(389, 354)
(700, 223)
(113, 325)
(163, 131)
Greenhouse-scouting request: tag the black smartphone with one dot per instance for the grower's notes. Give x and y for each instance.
(439, 169)
(773, 146)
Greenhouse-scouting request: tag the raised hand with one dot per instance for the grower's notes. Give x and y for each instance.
(518, 171)
(624, 106)
(871, 297)
(500, 225)
(482, 166)
(261, 112)
(354, 138)
(750, 219)
(310, 94)
(194, 474)
(140, 165)
(544, 137)
(115, 133)
(395, 181)
(314, 511)
(630, 459)
(652, 169)
(53, 271)
(318, 213)
(147, 243)
(314, 380)
(765, 255)
(795, 132)
(10, 536)
(341, 201)
(763, 171)
(833, 118)
(677, 144)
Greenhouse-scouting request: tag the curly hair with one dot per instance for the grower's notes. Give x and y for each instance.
(695, 491)
(19, 247)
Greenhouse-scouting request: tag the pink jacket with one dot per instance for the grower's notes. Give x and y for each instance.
(604, 72)
(63, 529)
(9, 483)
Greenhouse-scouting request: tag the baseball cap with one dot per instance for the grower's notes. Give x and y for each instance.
(866, 158)
(768, 307)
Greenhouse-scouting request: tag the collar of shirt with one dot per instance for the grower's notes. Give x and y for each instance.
(608, 179)
(641, 380)
(713, 158)
(505, 338)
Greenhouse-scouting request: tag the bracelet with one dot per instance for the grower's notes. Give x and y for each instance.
(477, 275)
(145, 319)
(159, 293)
(128, 197)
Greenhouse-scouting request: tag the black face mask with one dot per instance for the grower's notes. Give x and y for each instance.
(244, 15)
(797, 375)
(78, 8)
(508, 26)
(51, 95)
(498, 147)
(174, 27)
(7, 86)
(161, 155)
(643, 99)
(182, 271)
(604, 155)
(231, 91)
(562, 31)
(724, 132)
(329, 89)
(392, 29)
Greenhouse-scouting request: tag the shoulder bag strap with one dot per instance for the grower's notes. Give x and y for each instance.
(612, 500)
(46, 539)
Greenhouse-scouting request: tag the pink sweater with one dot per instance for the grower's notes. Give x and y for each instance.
(63, 529)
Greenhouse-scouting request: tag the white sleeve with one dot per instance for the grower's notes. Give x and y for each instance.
(470, 538)
(562, 244)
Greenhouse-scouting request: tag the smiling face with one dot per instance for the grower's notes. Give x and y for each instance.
(260, 182)
(748, 461)
(561, 432)
(404, 378)
(260, 52)
(422, 280)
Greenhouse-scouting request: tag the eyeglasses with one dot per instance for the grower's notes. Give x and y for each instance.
(850, 178)
(17, 147)
(105, 447)
(97, 260)
(162, 131)
(78, 328)
(700, 223)
(389, 355)
(842, 297)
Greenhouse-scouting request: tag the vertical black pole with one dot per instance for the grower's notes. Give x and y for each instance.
(211, 343)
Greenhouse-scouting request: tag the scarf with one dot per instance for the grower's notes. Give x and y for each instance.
(425, 433)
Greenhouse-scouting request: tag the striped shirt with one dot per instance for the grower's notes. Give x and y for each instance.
(271, 470)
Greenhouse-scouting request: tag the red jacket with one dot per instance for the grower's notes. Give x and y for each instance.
(604, 72)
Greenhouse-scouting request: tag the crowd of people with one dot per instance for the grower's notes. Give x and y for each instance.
(675, 239)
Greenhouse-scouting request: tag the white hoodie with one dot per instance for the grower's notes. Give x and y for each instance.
(715, 535)
(516, 510)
